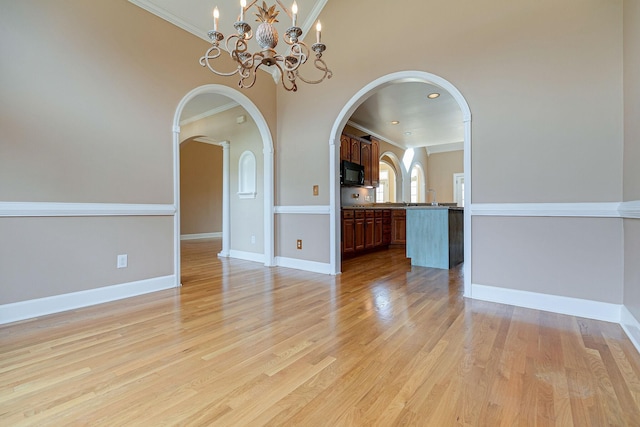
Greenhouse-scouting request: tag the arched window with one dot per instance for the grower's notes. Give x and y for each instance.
(386, 191)
(417, 184)
(247, 176)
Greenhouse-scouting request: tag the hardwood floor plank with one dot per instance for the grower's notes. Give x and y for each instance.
(382, 344)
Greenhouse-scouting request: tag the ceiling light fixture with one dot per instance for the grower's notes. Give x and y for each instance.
(407, 133)
(433, 95)
(287, 66)
(395, 122)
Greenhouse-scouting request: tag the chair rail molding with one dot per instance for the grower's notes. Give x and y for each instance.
(604, 209)
(630, 210)
(303, 210)
(47, 209)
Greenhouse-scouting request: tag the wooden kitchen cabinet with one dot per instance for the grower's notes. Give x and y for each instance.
(365, 230)
(365, 160)
(398, 227)
(364, 151)
(386, 227)
(375, 163)
(369, 229)
(359, 235)
(355, 150)
(348, 232)
(345, 148)
(377, 234)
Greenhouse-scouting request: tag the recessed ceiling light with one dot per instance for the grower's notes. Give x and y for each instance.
(407, 133)
(395, 122)
(433, 95)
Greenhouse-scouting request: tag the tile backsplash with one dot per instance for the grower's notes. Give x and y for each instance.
(350, 196)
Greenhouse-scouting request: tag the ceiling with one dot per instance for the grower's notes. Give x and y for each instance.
(432, 123)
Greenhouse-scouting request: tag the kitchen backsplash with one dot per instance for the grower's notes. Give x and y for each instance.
(350, 196)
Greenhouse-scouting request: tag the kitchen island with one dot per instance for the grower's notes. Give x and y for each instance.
(435, 236)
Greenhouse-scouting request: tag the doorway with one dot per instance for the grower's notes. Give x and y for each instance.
(267, 257)
(334, 160)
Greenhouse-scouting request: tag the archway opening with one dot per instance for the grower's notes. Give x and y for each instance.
(339, 124)
(238, 100)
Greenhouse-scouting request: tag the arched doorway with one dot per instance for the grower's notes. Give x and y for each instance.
(334, 159)
(268, 179)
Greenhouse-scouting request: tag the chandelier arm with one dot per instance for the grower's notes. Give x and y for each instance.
(320, 65)
(248, 72)
(290, 77)
(248, 64)
(299, 53)
(300, 49)
(239, 45)
(204, 61)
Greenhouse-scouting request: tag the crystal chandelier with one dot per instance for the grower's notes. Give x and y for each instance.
(287, 66)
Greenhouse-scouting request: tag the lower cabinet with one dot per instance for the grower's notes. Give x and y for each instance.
(386, 227)
(359, 231)
(369, 229)
(348, 232)
(399, 227)
(365, 230)
(377, 234)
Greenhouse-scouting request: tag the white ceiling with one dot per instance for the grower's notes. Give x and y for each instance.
(423, 122)
(432, 123)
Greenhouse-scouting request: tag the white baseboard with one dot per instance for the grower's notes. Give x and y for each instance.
(597, 310)
(631, 327)
(196, 236)
(54, 304)
(301, 264)
(247, 256)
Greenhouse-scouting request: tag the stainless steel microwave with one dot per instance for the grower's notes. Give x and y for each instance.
(351, 174)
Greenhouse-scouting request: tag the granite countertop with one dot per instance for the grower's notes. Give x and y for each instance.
(401, 206)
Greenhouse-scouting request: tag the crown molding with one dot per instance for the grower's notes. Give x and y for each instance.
(372, 133)
(209, 113)
(170, 17)
(445, 148)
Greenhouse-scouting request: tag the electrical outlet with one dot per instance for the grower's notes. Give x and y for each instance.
(253, 240)
(299, 244)
(315, 190)
(123, 261)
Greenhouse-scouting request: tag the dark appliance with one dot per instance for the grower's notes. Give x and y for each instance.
(351, 174)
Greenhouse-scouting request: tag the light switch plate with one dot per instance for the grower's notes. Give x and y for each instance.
(123, 261)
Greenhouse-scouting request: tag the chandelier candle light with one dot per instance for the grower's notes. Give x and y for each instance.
(287, 66)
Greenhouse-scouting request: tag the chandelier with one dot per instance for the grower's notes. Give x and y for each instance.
(286, 67)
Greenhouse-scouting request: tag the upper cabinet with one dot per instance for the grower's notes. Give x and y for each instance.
(365, 160)
(345, 148)
(355, 150)
(375, 162)
(365, 152)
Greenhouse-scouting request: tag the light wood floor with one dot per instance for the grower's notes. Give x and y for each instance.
(383, 344)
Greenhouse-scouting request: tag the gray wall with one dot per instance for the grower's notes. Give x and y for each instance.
(632, 153)
(546, 125)
(247, 215)
(89, 91)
